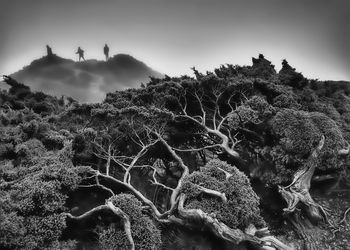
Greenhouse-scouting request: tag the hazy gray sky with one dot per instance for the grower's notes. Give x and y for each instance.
(171, 36)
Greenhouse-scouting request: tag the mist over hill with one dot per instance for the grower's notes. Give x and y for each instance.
(86, 81)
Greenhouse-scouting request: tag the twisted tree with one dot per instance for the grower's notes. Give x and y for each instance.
(217, 182)
(179, 154)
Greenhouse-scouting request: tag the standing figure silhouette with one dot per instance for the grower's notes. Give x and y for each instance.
(80, 52)
(106, 51)
(49, 51)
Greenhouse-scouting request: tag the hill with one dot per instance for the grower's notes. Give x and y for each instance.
(86, 81)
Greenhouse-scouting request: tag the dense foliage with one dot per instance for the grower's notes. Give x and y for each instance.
(242, 206)
(145, 233)
(180, 151)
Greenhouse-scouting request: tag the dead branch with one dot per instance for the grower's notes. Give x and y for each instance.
(217, 120)
(156, 182)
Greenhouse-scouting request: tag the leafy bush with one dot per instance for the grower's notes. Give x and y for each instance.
(299, 132)
(30, 150)
(144, 232)
(31, 207)
(242, 207)
(288, 76)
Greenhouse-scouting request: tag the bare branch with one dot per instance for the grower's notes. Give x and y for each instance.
(88, 213)
(126, 221)
(117, 211)
(225, 140)
(100, 186)
(141, 153)
(137, 193)
(139, 143)
(156, 182)
(197, 149)
(215, 193)
(184, 108)
(119, 162)
(199, 99)
(345, 214)
(185, 171)
(222, 122)
(227, 174)
(229, 103)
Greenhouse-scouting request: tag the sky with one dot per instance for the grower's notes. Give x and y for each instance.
(172, 36)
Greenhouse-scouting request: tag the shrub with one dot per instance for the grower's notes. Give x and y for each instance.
(242, 207)
(299, 132)
(144, 232)
(30, 150)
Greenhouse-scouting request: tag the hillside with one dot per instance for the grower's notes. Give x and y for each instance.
(86, 81)
(243, 157)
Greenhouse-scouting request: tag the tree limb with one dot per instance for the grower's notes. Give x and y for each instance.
(212, 192)
(117, 211)
(345, 214)
(126, 221)
(156, 182)
(88, 213)
(197, 149)
(100, 186)
(219, 229)
(227, 174)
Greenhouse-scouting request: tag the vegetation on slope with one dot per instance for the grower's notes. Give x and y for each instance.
(203, 154)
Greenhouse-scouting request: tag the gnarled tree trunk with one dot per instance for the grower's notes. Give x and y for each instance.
(302, 211)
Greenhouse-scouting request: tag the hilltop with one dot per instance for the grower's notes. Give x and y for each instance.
(86, 81)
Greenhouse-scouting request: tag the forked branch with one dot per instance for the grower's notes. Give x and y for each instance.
(117, 211)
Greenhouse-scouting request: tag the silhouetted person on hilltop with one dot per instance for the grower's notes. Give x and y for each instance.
(80, 52)
(49, 51)
(106, 51)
